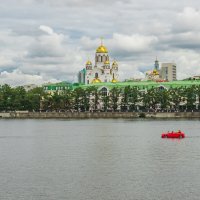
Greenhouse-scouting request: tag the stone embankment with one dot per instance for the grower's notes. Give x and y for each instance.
(93, 115)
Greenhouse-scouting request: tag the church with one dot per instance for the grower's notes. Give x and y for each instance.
(102, 71)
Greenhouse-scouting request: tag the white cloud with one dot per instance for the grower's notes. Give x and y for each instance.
(50, 39)
(6, 61)
(132, 43)
(187, 19)
(47, 55)
(50, 45)
(121, 44)
(18, 78)
(46, 29)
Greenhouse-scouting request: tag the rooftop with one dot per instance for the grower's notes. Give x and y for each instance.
(146, 84)
(139, 84)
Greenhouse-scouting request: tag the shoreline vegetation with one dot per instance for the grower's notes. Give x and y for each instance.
(97, 115)
(94, 102)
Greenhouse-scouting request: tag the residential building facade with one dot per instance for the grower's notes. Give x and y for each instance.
(168, 71)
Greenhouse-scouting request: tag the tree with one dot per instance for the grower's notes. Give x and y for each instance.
(68, 99)
(133, 98)
(176, 97)
(148, 99)
(190, 94)
(35, 99)
(6, 97)
(92, 100)
(125, 98)
(78, 99)
(104, 98)
(162, 97)
(197, 92)
(19, 99)
(114, 98)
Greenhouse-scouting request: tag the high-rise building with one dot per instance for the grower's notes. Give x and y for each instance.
(156, 65)
(81, 76)
(168, 71)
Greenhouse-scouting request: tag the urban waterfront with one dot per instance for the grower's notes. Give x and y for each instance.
(98, 159)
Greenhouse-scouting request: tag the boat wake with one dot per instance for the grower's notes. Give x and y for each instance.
(193, 136)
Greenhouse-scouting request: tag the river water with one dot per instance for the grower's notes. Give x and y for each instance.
(102, 159)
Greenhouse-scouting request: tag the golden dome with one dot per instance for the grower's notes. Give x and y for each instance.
(114, 63)
(96, 80)
(155, 72)
(114, 80)
(107, 62)
(88, 62)
(101, 49)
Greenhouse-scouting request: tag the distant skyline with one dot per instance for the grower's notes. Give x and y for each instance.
(48, 41)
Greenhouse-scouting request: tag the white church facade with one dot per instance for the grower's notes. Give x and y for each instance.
(101, 71)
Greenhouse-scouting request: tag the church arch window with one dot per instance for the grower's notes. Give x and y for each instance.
(161, 87)
(104, 91)
(99, 58)
(104, 58)
(96, 75)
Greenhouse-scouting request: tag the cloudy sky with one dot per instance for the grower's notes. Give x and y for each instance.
(48, 40)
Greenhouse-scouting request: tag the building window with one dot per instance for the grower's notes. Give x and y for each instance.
(161, 88)
(104, 58)
(99, 59)
(104, 92)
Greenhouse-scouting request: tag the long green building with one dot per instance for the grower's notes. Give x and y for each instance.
(141, 85)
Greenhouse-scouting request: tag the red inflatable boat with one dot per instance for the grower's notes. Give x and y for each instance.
(178, 134)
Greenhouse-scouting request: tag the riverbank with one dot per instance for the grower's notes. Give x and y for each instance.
(93, 115)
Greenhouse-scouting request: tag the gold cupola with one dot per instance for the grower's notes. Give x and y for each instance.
(101, 49)
(96, 80)
(114, 63)
(114, 80)
(155, 72)
(88, 62)
(107, 62)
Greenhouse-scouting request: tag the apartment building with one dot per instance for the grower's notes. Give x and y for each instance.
(168, 71)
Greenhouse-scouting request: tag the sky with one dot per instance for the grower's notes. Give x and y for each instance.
(50, 41)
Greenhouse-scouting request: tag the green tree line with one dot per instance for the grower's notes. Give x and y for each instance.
(93, 99)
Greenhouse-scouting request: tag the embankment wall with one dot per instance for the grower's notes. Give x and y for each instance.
(84, 115)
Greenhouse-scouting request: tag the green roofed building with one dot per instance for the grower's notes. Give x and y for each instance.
(109, 96)
(51, 88)
(141, 85)
(145, 85)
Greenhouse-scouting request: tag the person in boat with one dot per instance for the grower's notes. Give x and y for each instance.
(179, 131)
